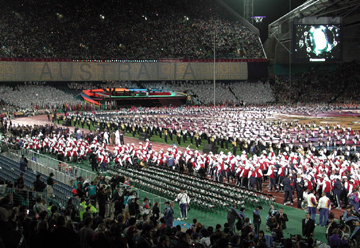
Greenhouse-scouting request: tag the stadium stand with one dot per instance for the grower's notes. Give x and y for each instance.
(126, 31)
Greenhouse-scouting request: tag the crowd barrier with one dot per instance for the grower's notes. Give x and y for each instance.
(43, 168)
(45, 164)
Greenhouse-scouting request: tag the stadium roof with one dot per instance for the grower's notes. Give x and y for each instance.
(329, 8)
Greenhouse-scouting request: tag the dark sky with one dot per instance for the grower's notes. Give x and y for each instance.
(272, 9)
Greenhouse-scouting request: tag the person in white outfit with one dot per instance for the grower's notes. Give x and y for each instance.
(106, 137)
(117, 137)
(183, 200)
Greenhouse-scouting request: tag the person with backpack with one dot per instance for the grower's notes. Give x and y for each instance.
(232, 216)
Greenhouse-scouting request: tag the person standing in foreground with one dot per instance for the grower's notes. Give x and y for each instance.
(282, 218)
(308, 226)
(183, 200)
(257, 219)
(169, 214)
(233, 214)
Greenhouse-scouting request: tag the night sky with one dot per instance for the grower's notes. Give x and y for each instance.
(272, 9)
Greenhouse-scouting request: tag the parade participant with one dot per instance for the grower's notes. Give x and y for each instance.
(337, 192)
(312, 204)
(272, 176)
(324, 206)
(287, 184)
(300, 185)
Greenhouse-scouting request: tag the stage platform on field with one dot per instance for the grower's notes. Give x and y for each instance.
(113, 98)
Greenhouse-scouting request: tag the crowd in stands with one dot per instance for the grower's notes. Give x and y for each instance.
(253, 92)
(35, 96)
(318, 85)
(133, 30)
(305, 88)
(232, 92)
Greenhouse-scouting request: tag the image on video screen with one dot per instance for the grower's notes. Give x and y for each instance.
(317, 42)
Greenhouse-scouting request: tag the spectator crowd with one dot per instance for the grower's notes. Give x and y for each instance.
(319, 85)
(36, 96)
(133, 30)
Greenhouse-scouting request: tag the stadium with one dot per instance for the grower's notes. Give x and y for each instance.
(157, 123)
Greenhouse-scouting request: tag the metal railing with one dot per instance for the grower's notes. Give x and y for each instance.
(59, 175)
(28, 197)
(46, 164)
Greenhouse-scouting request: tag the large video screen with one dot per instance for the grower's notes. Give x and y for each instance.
(317, 43)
